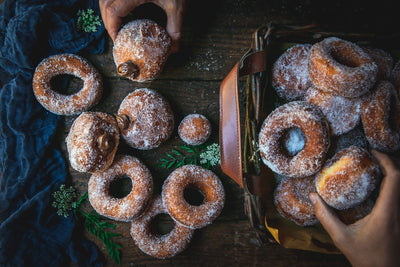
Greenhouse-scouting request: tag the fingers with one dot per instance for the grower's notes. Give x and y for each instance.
(332, 224)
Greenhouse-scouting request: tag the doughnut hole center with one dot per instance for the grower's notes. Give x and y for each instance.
(344, 57)
(66, 84)
(161, 224)
(293, 141)
(193, 195)
(120, 187)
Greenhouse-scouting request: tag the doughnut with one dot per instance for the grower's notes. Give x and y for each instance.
(194, 129)
(341, 68)
(154, 244)
(348, 178)
(201, 179)
(147, 119)
(290, 73)
(141, 49)
(62, 104)
(283, 122)
(92, 142)
(354, 137)
(383, 60)
(351, 215)
(395, 76)
(292, 202)
(342, 114)
(381, 117)
(132, 205)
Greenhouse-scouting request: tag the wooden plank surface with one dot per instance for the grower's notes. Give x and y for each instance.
(216, 34)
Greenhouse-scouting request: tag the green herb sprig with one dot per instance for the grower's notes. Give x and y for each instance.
(87, 21)
(64, 202)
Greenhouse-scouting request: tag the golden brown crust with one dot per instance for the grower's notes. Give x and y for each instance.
(70, 64)
(194, 129)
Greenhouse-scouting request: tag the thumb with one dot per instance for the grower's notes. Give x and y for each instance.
(332, 224)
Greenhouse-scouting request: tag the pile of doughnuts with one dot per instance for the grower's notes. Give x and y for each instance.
(340, 101)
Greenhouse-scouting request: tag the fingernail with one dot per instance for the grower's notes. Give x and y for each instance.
(313, 198)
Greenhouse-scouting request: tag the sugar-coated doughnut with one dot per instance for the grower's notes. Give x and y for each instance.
(341, 67)
(141, 49)
(194, 129)
(381, 117)
(132, 205)
(92, 142)
(348, 178)
(353, 214)
(355, 137)
(154, 244)
(201, 179)
(290, 76)
(292, 202)
(342, 114)
(311, 123)
(70, 64)
(149, 119)
(383, 60)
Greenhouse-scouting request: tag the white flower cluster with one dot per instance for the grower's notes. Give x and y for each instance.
(211, 155)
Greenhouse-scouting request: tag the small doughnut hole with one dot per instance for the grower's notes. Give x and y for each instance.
(161, 224)
(293, 141)
(120, 187)
(193, 196)
(66, 84)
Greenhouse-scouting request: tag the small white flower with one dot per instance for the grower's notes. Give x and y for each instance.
(211, 155)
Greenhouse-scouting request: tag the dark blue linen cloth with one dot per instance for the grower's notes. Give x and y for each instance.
(31, 165)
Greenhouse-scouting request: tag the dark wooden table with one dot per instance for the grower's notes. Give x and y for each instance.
(216, 34)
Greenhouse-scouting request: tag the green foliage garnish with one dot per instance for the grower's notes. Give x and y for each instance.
(64, 201)
(208, 154)
(87, 21)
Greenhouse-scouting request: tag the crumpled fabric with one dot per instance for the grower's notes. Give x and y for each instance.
(31, 164)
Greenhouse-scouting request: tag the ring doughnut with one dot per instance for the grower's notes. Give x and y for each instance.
(341, 68)
(292, 202)
(70, 64)
(146, 119)
(154, 244)
(130, 206)
(381, 117)
(206, 182)
(383, 60)
(342, 114)
(314, 130)
(348, 178)
(290, 76)
(92, 141)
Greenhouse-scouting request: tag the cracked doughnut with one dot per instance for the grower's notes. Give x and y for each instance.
(194, 129)
(348, 178)
(342, 114)
(141, 49)
(290, 76)
(59, 103)
(201, 179)
(145, 118)
(292, 202)
(92, 142)
(341, 68)
(132, 205)
(314, 130)
(154, 244)
(381, 117)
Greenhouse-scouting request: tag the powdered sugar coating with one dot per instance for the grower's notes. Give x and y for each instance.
(153, 244)
(348, 178)
(151, 120)
(144, 43)
(341, 67)
(381, 117)
(290, 76)
(342, 114)
(310, 120)
(70, 64)
(88, 135)
(194, 129)
(130, 206)
(383, 60)
(203, 180)
(292, 202)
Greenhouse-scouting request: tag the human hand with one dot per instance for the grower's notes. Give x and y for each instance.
(375, 239)
(112, 12)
